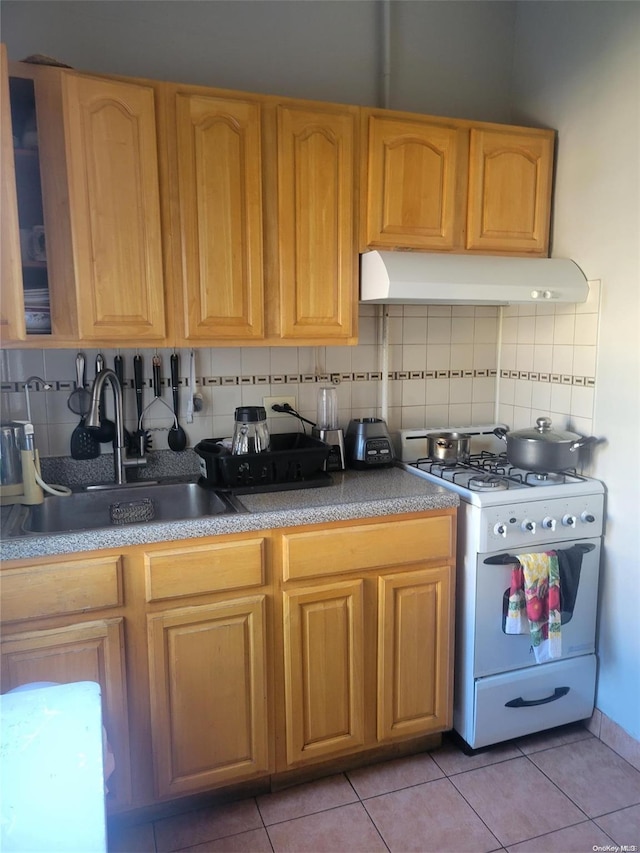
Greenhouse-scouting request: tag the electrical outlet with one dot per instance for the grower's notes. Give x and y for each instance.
(268, 402)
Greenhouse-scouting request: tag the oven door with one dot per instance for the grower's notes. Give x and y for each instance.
(494, 650)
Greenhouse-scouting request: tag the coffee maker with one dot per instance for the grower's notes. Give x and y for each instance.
(327, 429)
(19, 465)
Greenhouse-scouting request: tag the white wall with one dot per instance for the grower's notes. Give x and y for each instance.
(447, 58)
(577, 68)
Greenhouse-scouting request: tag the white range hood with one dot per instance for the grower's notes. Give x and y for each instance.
(408, 278)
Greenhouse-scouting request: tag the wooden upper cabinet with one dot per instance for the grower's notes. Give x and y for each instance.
(314, 286)
(415, 178)
(455, 185)
(12, 324)
(215, 164)
(110, 134)
(510, 179)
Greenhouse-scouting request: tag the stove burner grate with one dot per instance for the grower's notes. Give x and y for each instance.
(533, 478)
(488, 484)
(494, 472)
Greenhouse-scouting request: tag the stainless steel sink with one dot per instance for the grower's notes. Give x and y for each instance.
(124, 505)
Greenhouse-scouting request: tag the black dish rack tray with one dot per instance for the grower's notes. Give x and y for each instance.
(294, 461)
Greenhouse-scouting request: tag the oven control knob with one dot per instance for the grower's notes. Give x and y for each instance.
(587, 517)
(528, 526)
(500, 529)
(569, 520)
(549, 523)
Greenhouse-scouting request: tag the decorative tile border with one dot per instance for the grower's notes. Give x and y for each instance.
(553, 378)
(335, 378)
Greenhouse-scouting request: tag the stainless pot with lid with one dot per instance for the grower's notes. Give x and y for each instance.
(542, 449)
(449, 447)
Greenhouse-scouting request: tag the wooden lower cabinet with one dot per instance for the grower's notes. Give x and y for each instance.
(368, 660)
(324, 669)
(83, 651)
(209, 720)
(227, 659)
(414, 666)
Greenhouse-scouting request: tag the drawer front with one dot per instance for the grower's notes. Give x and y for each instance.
(176, 573)
(367, 546)
(67, 587)
(527, 701)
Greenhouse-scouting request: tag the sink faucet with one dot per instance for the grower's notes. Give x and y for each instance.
(120, 462)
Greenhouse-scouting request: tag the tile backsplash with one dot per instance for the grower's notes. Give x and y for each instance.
(447, 366)
(548, 359)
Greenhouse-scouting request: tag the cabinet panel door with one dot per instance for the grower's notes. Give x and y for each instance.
(12, 325)
(367, 546)
(214, 567)
(115, 208)
(415, 661)
(86, 651)
(61, 587)
(316, 233)
(220, 194)
(209, 717)
(510, 174)
(415, 174)
(324, 669)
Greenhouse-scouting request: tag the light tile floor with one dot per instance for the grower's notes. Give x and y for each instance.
(558, 791)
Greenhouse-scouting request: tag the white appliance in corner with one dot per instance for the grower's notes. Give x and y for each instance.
(51, 770)
(500, 691)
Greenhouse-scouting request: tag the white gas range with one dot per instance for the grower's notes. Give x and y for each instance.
(500, 691)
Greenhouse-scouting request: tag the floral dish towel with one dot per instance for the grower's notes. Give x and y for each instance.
(534, 602)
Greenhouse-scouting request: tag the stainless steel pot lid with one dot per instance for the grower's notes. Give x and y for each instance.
(543, 432)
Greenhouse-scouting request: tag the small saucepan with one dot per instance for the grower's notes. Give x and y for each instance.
(542, 449)
(449, 447)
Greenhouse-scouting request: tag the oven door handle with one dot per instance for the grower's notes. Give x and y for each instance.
(506, 559)
(558, 693)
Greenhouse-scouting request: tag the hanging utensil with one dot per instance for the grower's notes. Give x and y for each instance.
(157, 393)
(157, 387)
(107, 430)
(118, 369)
(142, 439)
(177, 438)
(80, 399)
(83, 443)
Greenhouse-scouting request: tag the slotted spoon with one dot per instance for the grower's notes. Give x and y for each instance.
(83, 443)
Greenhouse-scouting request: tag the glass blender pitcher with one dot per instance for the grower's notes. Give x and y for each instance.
(327, 428)
(250, 433)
